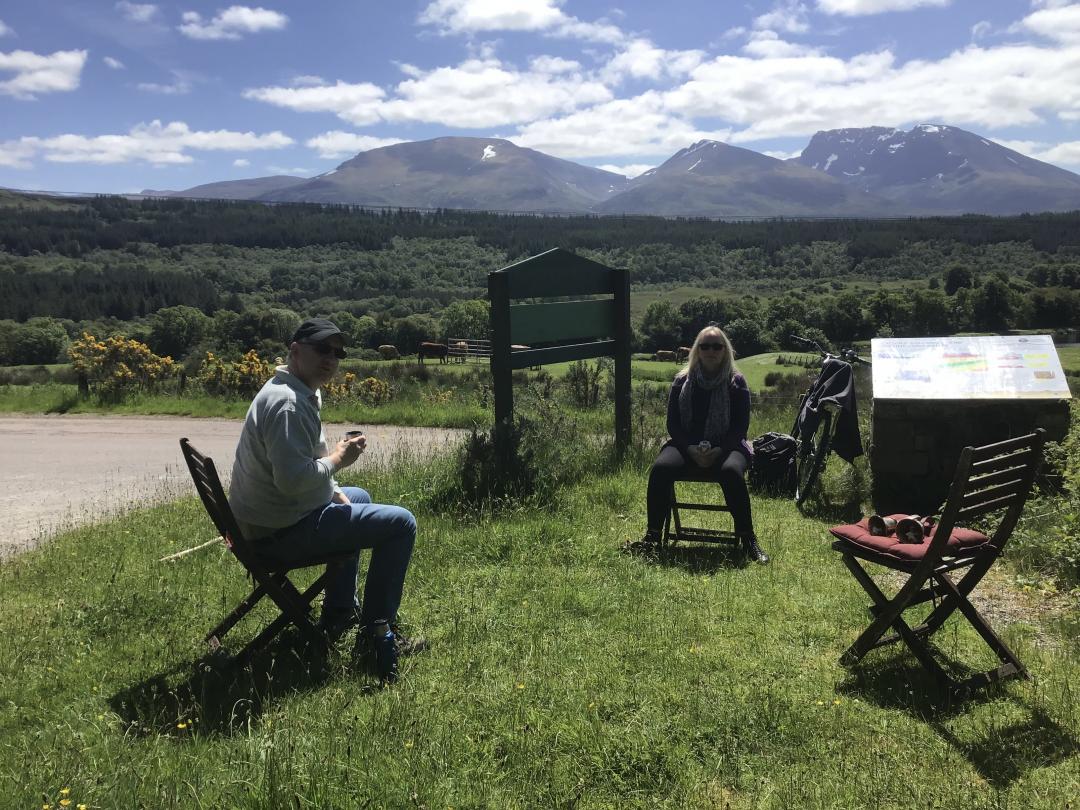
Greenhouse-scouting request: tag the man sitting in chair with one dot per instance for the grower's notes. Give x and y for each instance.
(286, 500)
(707, 418)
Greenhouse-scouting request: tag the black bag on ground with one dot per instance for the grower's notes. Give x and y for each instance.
(773, 469)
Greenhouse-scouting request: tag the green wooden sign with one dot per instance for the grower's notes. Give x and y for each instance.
(600, 325)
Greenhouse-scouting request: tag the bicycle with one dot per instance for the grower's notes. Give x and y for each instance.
(817, 421)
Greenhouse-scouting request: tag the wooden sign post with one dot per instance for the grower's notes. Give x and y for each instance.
(603, 322)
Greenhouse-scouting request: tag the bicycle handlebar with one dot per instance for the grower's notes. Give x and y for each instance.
(847, 355)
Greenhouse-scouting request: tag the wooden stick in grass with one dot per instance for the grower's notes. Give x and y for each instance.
(186, 551)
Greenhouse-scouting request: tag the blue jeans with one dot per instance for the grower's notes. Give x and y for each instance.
(389, 531)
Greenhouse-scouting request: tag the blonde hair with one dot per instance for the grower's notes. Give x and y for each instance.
(710, 333)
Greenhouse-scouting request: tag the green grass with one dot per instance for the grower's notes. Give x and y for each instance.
(561, 673)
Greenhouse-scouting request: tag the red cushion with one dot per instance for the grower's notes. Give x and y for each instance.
(859, 534)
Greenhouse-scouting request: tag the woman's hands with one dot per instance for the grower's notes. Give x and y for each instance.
(703, 458)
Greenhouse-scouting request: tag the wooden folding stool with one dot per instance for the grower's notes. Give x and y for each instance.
(675, 530)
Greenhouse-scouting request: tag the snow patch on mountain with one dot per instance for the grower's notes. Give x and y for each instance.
(489, 152)
(832, 158)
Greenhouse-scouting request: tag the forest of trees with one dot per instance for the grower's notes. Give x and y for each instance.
(189, 276)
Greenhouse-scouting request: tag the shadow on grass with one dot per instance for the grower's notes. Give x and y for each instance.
(64, 404)
(696, 559)
(1001, 750)
(214, 698)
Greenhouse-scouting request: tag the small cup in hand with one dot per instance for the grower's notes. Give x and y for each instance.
(353, 434)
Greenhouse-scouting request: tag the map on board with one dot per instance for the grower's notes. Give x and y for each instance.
(988, 367)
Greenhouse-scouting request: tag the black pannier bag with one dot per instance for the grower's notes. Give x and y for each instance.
(773, 469)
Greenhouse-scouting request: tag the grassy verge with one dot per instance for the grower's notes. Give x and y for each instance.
(561, 672)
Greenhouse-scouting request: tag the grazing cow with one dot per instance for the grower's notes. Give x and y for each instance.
(388, 352)
(433, 350)
(461, 350)
(665, 355)
(682, 353)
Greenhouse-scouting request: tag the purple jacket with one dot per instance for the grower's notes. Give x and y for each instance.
(734, 439)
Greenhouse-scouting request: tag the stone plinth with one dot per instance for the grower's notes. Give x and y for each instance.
(915, 444)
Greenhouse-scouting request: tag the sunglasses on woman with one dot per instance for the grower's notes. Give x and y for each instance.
(712, 347)
(326, 348)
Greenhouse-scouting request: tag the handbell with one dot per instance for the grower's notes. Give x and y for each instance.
(880, 526)
(910, 530)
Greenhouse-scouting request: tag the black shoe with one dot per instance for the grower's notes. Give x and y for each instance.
(335, 623)
(753, 550)
(649, 545)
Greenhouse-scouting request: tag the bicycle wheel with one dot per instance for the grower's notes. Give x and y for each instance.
(811, 458)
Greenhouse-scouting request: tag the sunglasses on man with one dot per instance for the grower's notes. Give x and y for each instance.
(712, 347)
(326, 348)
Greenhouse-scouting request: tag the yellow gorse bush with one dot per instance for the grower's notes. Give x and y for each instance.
(234, 378)
(370, 390)
(117, 366)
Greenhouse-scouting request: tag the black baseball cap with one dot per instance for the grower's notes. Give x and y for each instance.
(315, 330)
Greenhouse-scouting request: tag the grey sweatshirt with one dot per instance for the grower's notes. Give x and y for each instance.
(281, 472)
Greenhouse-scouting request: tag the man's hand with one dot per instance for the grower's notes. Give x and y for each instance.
(348, 451)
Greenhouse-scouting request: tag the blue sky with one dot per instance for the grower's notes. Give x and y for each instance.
(120, 96)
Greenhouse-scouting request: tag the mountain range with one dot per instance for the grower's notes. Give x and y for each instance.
(930, 169)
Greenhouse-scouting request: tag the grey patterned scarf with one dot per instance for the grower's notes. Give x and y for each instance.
(719, 417)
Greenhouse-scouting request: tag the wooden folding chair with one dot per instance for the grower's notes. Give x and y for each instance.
(991, 484)
(675, 530)
(270, 577)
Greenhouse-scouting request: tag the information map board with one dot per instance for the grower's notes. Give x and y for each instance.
(986, 367)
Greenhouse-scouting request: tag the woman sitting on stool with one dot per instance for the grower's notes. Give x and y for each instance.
(707, 418)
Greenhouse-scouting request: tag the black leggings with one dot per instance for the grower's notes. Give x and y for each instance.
(730, 473)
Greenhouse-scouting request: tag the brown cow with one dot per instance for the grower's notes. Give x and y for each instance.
(388, 352)
(432, 350)
(664, 355)
(682, 353)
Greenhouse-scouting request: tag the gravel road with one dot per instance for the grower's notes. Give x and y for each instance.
(62, 471)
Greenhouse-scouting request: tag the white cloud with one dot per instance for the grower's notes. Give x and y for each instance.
(156, 143)
(6, 30)
(1061, 23)
(17, 154)
(1009, 85)
(180, 85)
(137, 12)
(337, 144)
(779, 154)
(356, 103)
(630, 170)
(1065, 154)
(553, 64)
(232, 23)
(241, 163)
(35, 73)
(853, 8)
(623, 127)
(474, 16)
(114, 64)
(640, 59)
(273, 169)
(980, 30)
(769, 45)
(476, 93)
(788, 15)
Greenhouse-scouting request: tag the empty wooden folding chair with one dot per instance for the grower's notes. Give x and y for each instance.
(270, 577)
(991, 485)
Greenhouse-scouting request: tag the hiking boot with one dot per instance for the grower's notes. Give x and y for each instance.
(648, 545)
(335, 623)
(386, 650)
(753, 550)
(407, 646)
